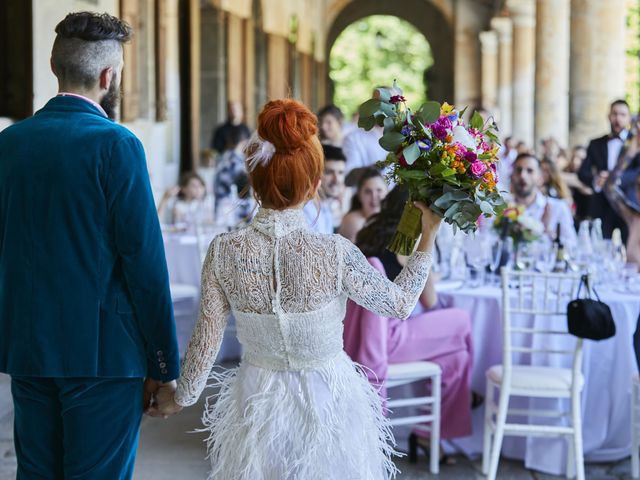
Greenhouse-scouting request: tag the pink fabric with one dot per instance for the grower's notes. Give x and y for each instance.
(440, 336)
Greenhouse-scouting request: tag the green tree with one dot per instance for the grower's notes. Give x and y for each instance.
(373, 52)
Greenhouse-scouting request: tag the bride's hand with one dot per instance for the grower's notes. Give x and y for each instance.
(163, 403)
(430, 224)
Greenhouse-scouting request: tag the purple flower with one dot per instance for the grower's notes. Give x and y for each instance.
(493, 167)
(470, 156)
(478, 168)
(445, 122)
(397, 99)
(424, 145)
(439, 131)
(453, 118)
(406, 130)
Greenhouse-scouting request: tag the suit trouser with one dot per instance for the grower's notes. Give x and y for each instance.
(76, 428)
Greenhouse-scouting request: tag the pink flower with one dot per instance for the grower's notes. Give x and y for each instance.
(470, 157)
(478, 168)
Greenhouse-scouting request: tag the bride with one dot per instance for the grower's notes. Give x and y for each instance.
(297, 407)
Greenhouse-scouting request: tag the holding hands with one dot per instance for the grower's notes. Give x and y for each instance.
(158, 398)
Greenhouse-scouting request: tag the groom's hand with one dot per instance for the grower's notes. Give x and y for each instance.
(162, 403)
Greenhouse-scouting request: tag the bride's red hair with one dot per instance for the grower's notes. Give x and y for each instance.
(292, 175)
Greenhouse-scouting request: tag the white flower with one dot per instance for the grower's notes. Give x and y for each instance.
(460, 135)
(529, 223)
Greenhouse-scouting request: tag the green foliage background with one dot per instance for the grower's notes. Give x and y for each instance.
(373, 52)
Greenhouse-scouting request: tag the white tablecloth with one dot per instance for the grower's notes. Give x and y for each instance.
(608, 368)
(184, 265)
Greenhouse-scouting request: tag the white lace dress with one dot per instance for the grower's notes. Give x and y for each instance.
(297, 408)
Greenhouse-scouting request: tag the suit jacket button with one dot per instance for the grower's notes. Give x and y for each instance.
(162, 364)
(164, 371)
(159, 353)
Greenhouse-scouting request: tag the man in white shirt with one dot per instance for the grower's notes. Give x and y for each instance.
(602, 157)
(323, 218)
(526, 180)
(361, 148)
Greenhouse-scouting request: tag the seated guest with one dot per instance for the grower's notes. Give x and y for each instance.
(230, 168)
(526, 180)
(330, 121)
(366, 202)
(442, 336)
(553, 183)
(234, 123)
(325, 215)
(190, 206)
(580, 193)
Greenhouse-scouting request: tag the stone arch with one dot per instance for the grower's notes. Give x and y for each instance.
(431, 22)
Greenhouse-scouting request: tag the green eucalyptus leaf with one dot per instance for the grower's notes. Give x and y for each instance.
(370, 107)
(366, 122)
(389, 124)
(391, 141)
(429, 112)
(476, 121)
(411, 174)
(388, 109)
(384, 94)
(411, 153)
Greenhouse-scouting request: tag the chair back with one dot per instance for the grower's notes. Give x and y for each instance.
(534, 315)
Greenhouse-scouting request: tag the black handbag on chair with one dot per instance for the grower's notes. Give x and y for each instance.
(589, 318)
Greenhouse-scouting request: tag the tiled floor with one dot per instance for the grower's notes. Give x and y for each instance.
(168, 452)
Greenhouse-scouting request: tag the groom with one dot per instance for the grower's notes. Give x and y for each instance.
(85, 307)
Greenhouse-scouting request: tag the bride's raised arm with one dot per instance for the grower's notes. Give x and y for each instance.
(375, 292)
(207, 335)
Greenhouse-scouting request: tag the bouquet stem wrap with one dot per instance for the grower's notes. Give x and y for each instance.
(408, 232)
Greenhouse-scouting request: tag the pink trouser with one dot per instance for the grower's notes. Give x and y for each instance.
(443, 337)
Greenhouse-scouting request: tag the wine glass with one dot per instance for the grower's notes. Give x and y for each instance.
(497, 252)
(545, 255)
(477, 256)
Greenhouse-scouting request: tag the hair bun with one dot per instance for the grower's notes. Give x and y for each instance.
(287, 124)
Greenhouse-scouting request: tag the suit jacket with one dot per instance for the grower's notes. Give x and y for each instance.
(84, 289)
(599, 207)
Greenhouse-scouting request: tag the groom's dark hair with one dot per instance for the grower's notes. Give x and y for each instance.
(86, 43)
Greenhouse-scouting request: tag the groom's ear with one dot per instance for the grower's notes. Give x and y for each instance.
(105, 79)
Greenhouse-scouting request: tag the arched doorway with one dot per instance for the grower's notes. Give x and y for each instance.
(427, 18)
(374, 51)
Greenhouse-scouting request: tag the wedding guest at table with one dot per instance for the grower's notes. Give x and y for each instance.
(230, 167)
(601, 159)
(442, 336)
(190, 206)
(166, 203)
(580, 193)
(361, 148)
(325, 214)
(625, 199)
(366, 202)
(553, 183)
(506, 155)
(526, 181)
(234, 122)
(330, 120)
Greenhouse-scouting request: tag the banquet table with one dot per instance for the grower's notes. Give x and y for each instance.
(608, 368)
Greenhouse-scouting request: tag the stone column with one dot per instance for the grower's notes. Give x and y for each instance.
(522, 13)
(597, 65)
(489, 75)
(503, 28)
(552, 71)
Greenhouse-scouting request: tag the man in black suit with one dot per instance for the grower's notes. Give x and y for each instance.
(602, 156)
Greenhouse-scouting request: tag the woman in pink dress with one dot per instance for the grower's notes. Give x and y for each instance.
(442, 336)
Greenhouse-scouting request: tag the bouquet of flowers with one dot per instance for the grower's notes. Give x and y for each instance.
(443, 162)
(514, 223)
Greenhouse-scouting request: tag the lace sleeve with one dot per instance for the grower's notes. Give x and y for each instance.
(207, 334)
(369, 288)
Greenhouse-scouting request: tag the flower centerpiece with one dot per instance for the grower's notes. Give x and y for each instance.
(515, 223)
(445, 163)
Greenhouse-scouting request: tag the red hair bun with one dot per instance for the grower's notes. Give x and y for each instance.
(291, 177)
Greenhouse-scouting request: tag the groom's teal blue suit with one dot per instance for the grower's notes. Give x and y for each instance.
(85, 306)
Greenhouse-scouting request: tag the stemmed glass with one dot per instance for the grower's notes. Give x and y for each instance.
(478, 258)
(545, 256)
(497, 251)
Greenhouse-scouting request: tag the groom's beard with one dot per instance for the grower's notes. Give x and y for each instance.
(111, 100)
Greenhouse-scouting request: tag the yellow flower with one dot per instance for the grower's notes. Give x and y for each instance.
(446, 109)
